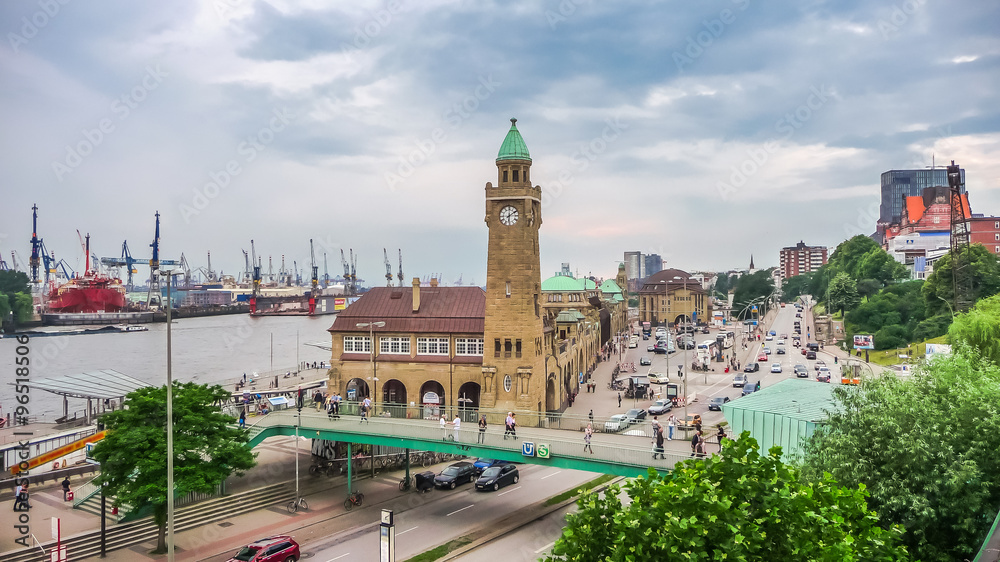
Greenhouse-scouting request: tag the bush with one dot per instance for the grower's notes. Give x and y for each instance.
(891, 337)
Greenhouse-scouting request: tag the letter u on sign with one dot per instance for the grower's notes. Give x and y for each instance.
(528, 449)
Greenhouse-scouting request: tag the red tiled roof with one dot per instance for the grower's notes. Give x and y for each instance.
(454, 310)
(915, 208)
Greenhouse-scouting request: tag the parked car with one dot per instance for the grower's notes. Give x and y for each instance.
(651, 348)
(780, 350)
(635, 415)
(823, 375)
(279, 548)
(819, 364)
(496, 477)
(690, 422)
(482, 464)
(659, 407)
(801, 371)
(798, 315)
(749, 388)
(458, 473)
(645, 360)
(810, 354)
(752, 367)
(740, 379)
(775, 367)
(658, 378)
(716, 402)
(615, 423)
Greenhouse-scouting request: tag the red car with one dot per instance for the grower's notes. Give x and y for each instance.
(279, 548)
(762, 357)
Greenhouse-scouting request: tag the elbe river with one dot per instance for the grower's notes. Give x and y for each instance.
(210, 349)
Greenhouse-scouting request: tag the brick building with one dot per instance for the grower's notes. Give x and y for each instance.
(673, 296)
(799, 259)
(518, 345)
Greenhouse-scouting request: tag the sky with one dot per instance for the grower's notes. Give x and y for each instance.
(705, 132)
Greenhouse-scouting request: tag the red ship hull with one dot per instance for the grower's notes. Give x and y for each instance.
(88, 294)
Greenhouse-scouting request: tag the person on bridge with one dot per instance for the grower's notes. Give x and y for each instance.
(243, 418)
(444, 428)
(365, 405)
(658, 441)
(671, 424)
(482, 429)
(457, 423)
(65, 487)
(587, 434)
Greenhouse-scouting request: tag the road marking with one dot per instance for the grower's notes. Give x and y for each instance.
(508, 491)
(457, 510)
(546, 547)
(406, 531)
(553, 474)
(339, 557)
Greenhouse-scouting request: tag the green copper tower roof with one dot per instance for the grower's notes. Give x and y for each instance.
(513, 147)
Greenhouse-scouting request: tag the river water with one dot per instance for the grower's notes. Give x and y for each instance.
(210, 349)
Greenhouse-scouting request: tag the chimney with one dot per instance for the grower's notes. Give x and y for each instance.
(416, 294)
(434, 282)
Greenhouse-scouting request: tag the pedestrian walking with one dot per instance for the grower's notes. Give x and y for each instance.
(658, 441)
(513, 426)
(508, 425)
(671, 424)
(365, 405)
(722, 436)
(694, 442)
(444, 428)
(656, 425)
(331, 406)
(587, 434)
(458, 425)
(590, 417)
(336, 405)
(619, 399)
(243, 418)
(65, 487)
(317, 400)
(482, 429)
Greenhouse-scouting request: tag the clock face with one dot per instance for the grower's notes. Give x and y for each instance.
(508, 215)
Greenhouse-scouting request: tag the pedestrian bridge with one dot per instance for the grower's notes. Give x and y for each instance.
(628, 454)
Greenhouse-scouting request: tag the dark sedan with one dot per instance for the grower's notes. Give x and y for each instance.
(496, 477)
(635, 415)
(751, 368)
(458, 473)
(717, 402)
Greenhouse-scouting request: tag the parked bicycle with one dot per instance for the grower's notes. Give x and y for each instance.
(298, 504)
(355, 499)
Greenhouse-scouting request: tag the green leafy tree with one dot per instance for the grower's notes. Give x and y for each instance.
(750, 288)
(722, 285)
(15, 296)
(939, 292)
(979, 329)
(14, 282)
(843, 293)
(850, 254)
(133, 456)
(926, 449)
(794, 287)
(740, 505)
(878, 265)
(931, 327)
(867, 288)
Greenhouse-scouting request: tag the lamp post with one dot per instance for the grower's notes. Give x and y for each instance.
(371, 343)
(170, 427)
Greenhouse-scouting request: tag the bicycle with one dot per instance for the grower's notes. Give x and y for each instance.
(405, 484)
(295, 505)
(355, 499)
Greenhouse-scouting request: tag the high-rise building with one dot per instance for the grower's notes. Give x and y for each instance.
(653, 264)
(634, 265)
(899, 184)
(799, 259)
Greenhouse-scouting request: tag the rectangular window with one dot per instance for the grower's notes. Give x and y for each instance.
(505, 176)
(394, 345)
(432, 346)
(506, 348)
(496, 347)
(357, 344)
(517, 348)
(508, 289)
(515, 175)
(469, 346)
(996, 236)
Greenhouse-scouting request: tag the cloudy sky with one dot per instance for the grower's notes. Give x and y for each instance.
(703, 131)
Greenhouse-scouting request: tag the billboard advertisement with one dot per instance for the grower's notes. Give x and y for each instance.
(864, 342)
(339, 304)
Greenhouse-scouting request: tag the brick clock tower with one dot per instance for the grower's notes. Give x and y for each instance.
(513, 357)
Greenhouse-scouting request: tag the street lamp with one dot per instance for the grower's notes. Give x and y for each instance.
(170, 426)
(371, 353)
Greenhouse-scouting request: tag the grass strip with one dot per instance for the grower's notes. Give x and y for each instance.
(438, 552)
(580, 489)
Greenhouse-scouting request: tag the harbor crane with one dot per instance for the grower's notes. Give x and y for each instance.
(354, 272)
(15, 262)
(210, 275)
(246, 272)
(297, 273)
(3, 264)
(256, 279)
(399, 275)
(126, 260)
(388, 269)
(36, 248)
(186, 268)
(326, 273)
(315, 268)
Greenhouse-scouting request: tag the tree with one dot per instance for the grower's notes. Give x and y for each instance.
(850, 254)
(939, 292)
(877, 264)
(794, 287)
(925, 447)
(15, 296)
(979, 329)
(843, 293)
(740, 505)
(133, 454)
(752, 287)
(867, 288)
(721, 288)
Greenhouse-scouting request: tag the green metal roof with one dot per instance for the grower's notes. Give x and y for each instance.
(609, 287)
(561, 284)
(513, 147)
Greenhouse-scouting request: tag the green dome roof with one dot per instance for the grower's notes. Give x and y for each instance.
(561, 284)
(513, 147)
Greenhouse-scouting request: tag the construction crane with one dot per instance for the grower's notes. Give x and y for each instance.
(61, 264)
(297, 273)
(36, 247)
(354, 272)
(326, 273)
(256, 279)
(388, 269)
(15, 263)
(246, 272)
(348, 283)
(3, 264)
(315, 268)
(209, 274)
(399, 275)
(186, 268)
(126, 260)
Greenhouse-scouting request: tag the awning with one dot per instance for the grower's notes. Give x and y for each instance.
(106, 383)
